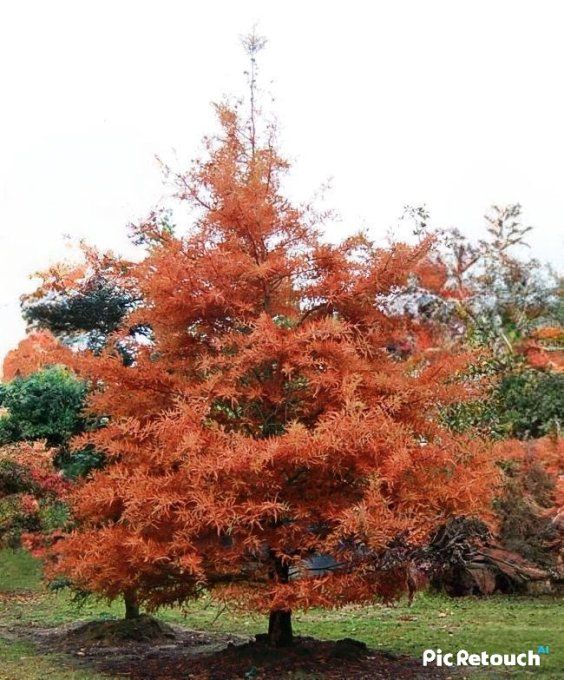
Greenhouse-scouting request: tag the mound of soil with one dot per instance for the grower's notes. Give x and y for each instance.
(315, 659)
(112, 633)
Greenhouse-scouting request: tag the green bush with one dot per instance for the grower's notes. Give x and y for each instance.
(531, 403)
(525, 404)
(44, 405)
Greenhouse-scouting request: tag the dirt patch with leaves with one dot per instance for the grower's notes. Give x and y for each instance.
(18, 597)
(149, 649)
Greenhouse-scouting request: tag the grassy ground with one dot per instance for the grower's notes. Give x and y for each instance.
(497, 624)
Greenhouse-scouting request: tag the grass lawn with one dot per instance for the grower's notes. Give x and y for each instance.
(496, 624)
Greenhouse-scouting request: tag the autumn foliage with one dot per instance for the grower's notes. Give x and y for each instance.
(32, 353)
(30, 493)
(281, 410)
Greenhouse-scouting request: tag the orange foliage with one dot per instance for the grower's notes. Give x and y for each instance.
(268, 421)
(549, 334)
(32, 353)
(544, 349)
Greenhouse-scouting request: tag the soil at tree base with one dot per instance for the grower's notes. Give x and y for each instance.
(151, 650)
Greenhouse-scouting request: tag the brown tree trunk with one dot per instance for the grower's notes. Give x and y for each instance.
(131, 606)
(280, 628)
(280, 620)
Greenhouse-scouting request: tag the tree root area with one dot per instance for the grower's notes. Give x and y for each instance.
(148, 649)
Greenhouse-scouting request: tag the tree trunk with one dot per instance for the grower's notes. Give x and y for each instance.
(280, 620)
(280, 628)
(131, 606)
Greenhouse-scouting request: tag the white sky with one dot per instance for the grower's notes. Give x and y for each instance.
(454, 104)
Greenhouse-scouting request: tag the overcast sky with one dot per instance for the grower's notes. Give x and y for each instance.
(456, 104)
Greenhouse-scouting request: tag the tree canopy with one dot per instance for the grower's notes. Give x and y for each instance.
(282, 410)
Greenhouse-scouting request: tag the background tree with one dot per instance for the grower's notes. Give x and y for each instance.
(82, 304)
(512, 306)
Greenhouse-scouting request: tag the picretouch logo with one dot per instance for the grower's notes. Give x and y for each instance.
(463, 657)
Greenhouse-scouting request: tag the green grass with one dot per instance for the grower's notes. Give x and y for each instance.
(496, 624)
(19, 571)
(20, 661)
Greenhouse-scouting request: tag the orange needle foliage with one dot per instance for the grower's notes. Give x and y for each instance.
(31, 354)
(270, 420)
